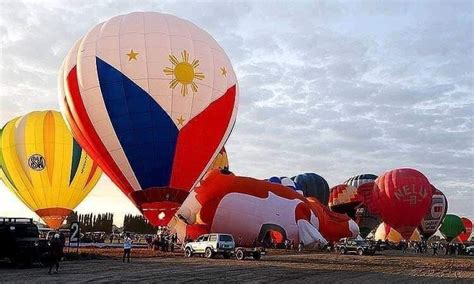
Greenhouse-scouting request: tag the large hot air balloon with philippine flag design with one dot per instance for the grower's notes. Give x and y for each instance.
(44, 166)
(152, 98)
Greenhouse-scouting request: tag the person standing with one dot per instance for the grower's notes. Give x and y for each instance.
(174, 241)
(55, 253)
(300, 246)
(127, 247)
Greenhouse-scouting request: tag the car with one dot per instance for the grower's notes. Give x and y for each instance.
(211, 245)
(470, 250)
(20, 242)
(256, 253)
(351, 245)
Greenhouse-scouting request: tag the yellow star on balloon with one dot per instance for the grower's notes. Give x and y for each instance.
(181, 121)
(132, 55)
(223, 72)
(184, 73)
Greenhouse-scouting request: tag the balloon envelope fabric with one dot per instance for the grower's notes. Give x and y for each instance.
(152, 98)
(44, 166)
(313, 185)
(435, 214)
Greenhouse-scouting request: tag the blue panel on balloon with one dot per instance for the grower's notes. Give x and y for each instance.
(112, 76)
(145, 131)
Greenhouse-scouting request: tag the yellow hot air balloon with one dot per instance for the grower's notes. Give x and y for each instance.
(3, 178)
(44, 166)
(386, 233)
(221, 161)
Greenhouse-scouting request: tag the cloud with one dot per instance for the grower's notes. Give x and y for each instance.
(327, 87)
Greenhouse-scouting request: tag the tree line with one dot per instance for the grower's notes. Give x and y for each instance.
(103, 222)
(137, 224)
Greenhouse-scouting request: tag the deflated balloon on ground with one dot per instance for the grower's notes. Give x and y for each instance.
(258, 212)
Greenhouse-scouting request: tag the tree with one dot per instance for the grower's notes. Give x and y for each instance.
(91, 222)
(137, 224)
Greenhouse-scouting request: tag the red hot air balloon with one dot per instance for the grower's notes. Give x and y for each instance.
(364, 216)
(152, 99)
(402, 197)
(464, 237)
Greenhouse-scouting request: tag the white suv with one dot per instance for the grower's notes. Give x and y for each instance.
(210, 245)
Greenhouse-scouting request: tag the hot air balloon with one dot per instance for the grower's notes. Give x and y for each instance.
(452, 226)
(3, 178)
(344, 199)
(464, 237)
(286, 182)
(45, 167)
(313, 185)
(366, 220)
(221, 161)
(386, 233)
(435, 214)
(401, 198)
(152, 98)
(255, 211)
(357, 180)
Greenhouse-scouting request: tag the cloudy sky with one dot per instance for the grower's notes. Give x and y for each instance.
(337, 88)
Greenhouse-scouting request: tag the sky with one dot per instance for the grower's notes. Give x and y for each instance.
(338, 88)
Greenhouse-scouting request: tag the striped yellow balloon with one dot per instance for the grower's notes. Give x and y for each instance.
(44, 166)
(3, 178)
(386, 233)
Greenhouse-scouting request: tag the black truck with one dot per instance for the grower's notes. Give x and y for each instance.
(351, 245)
(20, 242)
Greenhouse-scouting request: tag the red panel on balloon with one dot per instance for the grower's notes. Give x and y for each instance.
(198, 140)
(86, 135)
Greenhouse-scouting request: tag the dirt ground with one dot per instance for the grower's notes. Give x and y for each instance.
(277, 266)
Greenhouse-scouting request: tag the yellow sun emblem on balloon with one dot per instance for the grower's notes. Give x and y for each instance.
(184, 73)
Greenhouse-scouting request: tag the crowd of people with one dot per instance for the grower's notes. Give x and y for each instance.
(436, 248)
(163, 241)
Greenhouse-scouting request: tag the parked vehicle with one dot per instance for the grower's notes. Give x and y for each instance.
(93, 237)
(256, 253)
(210, 245)
(470, 250)
(351, 245)
(20, 242)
